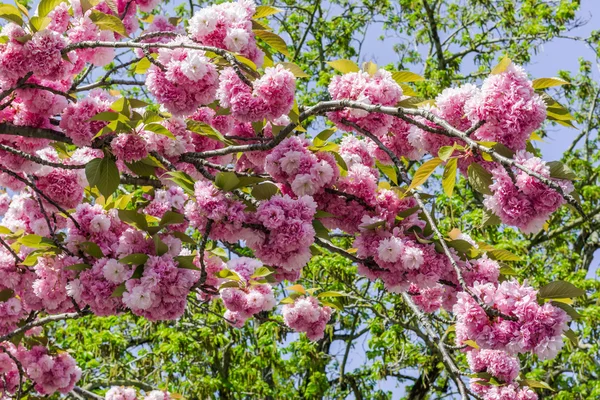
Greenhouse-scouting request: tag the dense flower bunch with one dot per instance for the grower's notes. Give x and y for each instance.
(227, 26)
(128, 393)
(306, 315)
(537, 328)
(272, 97)
(525, 202)
(248, 298)
(187, 80)
(49, 373)
(110, 205)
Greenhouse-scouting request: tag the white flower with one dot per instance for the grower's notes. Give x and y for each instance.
(412, 257)
(115, 272)
(389, 249)
(290, 162)
(74, 289)
(140, 298)
(194, 66)
(304, 184)
(204, 22)
(236, 39)
(100, 223)
(322, 172)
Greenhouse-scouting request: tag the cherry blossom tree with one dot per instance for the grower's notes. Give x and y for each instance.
(190, 174)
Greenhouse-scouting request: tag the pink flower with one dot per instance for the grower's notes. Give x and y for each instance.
(129, 148)
(306, 315)
(272, 96)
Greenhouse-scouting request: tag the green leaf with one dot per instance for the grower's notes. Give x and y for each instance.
(559, 170)
(502, 255)
(370, 68)
(471, 343)
(489, 219)
(344, 66)
(505, 270)
(226, 181)
(141, 168)
(119, 290)
(92, 249)
(5, 231)
(294, 69)
(445, 152)
(449, 176)
(568, 309)
(461, 246)
(479, 178)
(183, 237)
(171, 218)
(261, 272)
(134, 218)
(320, 230)
(105, 116)
(186, 262)
(159, 129)
(104, 174)
(572, 337)
(273, 40)
(36, 242)
(331, 294)
(11, 13)
(108, 22)
(229, 284)
(39, 23)
(6, 294)
(424, 172)
(78, 267)
(560, 290)
(388, 170)
(536, 384)
(265, 11)
(406, 76)
(135, 259)
(502, 66)
(322, 137)
(264, 191)
(324, 214)
(159, 246)
(407, 90)
(183, 180)
(297, 288)
(543, 83)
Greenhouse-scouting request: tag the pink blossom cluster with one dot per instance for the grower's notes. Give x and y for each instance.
(95, 286)
(227, 26)
(537, 329)
(98, 226)
(24, 213)
(305, 314)
(14, 278)
(288, 232)
(306, 172)
(49, 373)
(271, 96)
(172, 199)
(401, 259)
(212, 265)
(83, 29)
(189, 79)
(128, 393)
(249, 297)
(160, 23)
(526, 203)
(379, 89)
(161, 292)
(509, 106)
(213, 204)
(75, 120)
(40, 55)
(504, 368)
(51, 282)
(129, 147)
